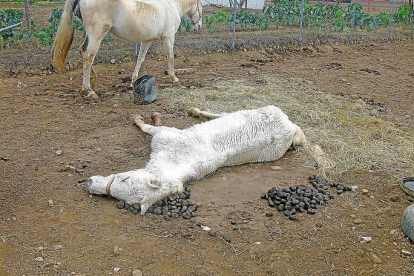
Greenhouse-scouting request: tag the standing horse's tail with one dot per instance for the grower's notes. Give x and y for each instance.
(64, 36)
(323, 162)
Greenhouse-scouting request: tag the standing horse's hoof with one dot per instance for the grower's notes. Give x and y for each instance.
(92, 96)
(174, 79)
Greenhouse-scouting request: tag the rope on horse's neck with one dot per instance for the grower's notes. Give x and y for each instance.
(197, 10)
(108, 186)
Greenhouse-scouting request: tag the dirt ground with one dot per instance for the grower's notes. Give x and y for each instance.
(52, 140)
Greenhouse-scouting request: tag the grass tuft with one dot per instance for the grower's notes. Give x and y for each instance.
(345, 129)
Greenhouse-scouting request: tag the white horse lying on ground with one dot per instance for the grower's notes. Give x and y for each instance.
(132, 20)
(181, 156)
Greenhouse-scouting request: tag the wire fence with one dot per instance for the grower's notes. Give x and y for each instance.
(343, 16)
(303, 21)
(247, 4)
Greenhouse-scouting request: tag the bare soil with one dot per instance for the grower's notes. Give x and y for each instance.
(52, 140)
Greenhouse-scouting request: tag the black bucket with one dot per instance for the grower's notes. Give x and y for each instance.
(144, 91)
(407, 185)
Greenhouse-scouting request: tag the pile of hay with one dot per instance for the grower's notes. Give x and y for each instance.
(345, 129)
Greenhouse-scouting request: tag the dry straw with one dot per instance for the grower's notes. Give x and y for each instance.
(345, 129)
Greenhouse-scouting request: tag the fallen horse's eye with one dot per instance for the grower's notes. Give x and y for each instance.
(124, 179)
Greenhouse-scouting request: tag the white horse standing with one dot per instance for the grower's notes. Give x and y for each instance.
(133, 20)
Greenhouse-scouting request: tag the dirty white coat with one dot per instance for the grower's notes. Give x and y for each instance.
(180, 156)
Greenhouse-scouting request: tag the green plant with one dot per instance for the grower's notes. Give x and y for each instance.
(56, 14)
(9, 17)
(186, 23)
(383, 19)
(219, 16)
(288, 12)
(338, 25)
(249, 19)
(362, 19)
(402, 15)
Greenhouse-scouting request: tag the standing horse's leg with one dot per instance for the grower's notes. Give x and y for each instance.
(88, 50)
(169, 48)
(93, 77)
(143, 49)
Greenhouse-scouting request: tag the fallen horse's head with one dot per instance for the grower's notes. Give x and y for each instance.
(138, 186)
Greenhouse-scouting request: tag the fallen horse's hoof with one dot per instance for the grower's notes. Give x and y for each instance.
(156, 118)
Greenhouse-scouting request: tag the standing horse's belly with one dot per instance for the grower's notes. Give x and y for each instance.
(137, 21)
(135, 34)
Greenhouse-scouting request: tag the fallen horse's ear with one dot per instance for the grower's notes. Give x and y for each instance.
(155, 184)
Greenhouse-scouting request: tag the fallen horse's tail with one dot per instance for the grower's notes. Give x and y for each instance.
(64, 36)
(323, 162)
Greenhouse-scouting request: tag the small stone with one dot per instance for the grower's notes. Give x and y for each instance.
(269, 214)
(357, 221)
(233, 222)
(353, 216)
(364, 191)
(227, 239)
(406, 252)
(70, 168)
(365, 239)
(258, 243)
(20, 84)
(117, 250)
(57, 247)
(294, 218)
(276, 168)
(374, 258)
(220, 88)
(205, 228)
(394, 198)
(59, 152)
(98, 149)
(50, 203)
(113, 61)
(136, 272)
(394, 232)
(39, 259)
